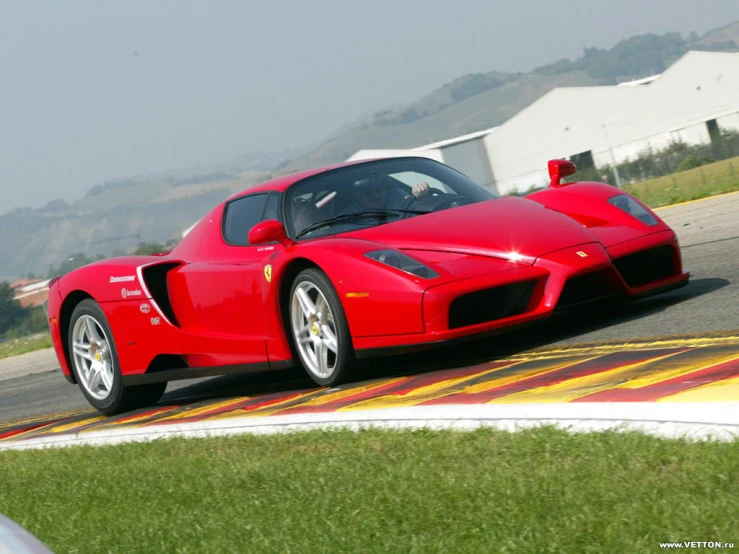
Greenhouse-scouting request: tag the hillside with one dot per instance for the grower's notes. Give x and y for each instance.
(478, 101)
(480, 111)
(727, 33)
(116, 216)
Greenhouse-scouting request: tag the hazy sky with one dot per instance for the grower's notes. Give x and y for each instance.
(91, 91)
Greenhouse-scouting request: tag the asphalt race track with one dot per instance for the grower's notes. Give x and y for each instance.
(706, 310)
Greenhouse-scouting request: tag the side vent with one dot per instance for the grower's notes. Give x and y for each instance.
(166, 362)
(155, 278)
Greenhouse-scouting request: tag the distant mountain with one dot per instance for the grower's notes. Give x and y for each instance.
(115, 216)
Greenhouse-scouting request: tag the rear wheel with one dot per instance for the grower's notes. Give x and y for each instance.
(319, 333)
(95, 363)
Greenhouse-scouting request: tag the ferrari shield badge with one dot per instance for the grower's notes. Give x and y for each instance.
(582, 254)
(268, 273)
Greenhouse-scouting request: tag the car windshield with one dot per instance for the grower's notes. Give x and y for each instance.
(374, 193)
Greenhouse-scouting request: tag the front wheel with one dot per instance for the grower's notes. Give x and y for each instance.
(319, 332)
(94, 360)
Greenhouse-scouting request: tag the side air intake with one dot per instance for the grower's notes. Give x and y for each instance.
(155, 277)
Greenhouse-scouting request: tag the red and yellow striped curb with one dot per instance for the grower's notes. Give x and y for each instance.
(671, 369)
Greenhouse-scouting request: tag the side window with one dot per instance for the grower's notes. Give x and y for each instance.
(241, 215)
(272, 209)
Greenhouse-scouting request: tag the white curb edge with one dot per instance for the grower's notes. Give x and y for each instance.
(693, 421)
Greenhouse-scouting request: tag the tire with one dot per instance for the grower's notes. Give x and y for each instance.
(96, 366)
(334, 362)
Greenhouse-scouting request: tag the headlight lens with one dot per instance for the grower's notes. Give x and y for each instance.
(632, 207)
(400, 261)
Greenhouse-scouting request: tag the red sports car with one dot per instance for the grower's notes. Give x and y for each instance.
(362, 259)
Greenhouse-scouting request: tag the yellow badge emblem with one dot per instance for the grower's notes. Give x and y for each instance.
(98, 357)
(582, 254)
(268, 273)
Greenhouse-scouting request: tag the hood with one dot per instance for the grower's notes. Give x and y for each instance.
(511, 228)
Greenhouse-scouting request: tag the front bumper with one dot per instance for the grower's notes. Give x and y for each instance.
(559, 280)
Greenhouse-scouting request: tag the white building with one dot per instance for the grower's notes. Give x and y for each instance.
(466, 152)
(595, 126)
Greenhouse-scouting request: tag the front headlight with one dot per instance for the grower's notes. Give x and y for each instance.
(400, 261)
(630, 206)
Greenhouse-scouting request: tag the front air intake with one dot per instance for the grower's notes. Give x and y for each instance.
(491, 304)
(587, 287)
(647, 266)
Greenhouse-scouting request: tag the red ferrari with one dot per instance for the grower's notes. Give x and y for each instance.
(362, 259)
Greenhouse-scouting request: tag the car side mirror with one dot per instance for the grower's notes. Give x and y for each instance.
(269, 231)
(559, 169)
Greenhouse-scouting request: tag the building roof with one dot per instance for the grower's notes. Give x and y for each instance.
(21, 284)
(368, 155)
(637, 82)
(34, 298)
(456, 140)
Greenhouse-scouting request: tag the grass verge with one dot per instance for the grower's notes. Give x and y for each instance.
(542, 490)
(694, 184)
(15, 347)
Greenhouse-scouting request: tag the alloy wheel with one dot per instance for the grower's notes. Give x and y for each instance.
(314, 329)
(93, 357)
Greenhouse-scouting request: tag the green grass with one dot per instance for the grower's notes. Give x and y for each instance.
(694, 184)
(542, 490)
(15, 347)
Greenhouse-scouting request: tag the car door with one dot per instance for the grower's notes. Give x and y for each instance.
(226, 306)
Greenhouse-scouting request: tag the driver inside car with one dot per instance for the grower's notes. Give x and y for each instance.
(378, 193)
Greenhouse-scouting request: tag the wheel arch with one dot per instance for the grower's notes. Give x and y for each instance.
(288, 275)
(71, 301)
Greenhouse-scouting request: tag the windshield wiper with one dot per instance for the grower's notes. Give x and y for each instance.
(363, 214)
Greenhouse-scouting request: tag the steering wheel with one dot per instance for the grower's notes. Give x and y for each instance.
(412, 198)
(453, 202)
(449, 201)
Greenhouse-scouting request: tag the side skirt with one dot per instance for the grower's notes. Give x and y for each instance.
(200, 372)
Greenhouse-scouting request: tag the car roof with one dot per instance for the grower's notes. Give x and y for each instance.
(281, 184)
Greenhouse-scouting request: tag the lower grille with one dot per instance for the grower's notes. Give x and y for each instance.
(490, 304)
(587, 287)
(646, 266)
